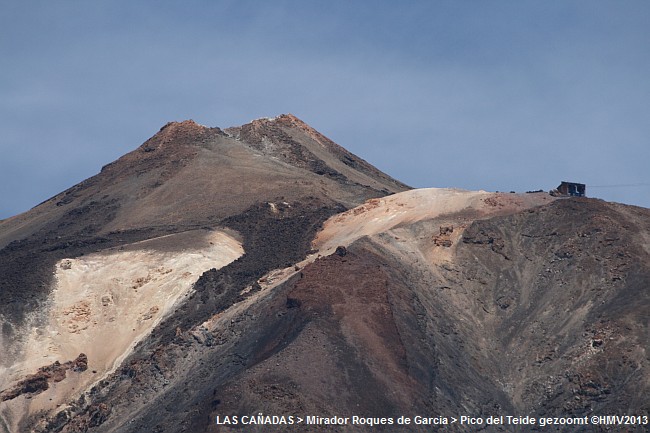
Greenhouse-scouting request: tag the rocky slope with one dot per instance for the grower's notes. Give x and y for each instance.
(265, 269)
(187, 176)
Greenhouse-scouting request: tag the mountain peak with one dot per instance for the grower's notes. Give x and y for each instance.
(268, 124)
(172, 130)
(183, 124)
(181, 133)
(286, 118)
(179, 173)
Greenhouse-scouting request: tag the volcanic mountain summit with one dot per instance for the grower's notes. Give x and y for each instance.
(213, 274)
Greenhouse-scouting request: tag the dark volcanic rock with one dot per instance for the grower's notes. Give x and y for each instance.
(40, 381)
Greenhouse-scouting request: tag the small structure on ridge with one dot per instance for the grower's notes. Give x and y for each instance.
(569, 189)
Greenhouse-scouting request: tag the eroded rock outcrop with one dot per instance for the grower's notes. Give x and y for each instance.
(40, 381)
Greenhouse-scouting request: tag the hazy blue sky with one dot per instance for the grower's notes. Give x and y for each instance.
(494, 95)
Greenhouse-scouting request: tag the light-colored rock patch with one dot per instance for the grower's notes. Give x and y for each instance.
(382, 214)
(379, 215)
(105, 303)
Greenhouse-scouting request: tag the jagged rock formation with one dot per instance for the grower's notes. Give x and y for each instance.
(40, 381)
(264, 268)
